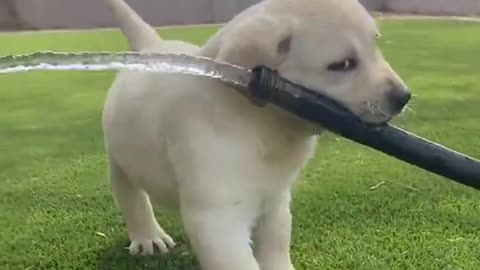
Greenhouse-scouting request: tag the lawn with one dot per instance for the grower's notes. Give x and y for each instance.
(353, 208)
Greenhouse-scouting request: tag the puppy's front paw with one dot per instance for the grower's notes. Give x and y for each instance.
(161, 242)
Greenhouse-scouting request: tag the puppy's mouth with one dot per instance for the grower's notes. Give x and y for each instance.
(393, 104)
(373, 113)
(370, 112)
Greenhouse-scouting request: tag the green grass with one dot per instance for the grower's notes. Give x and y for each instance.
(55, 201)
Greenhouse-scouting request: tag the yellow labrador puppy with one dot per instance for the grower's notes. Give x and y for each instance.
(228, 166)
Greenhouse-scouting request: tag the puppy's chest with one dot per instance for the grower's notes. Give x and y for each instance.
(284, 156)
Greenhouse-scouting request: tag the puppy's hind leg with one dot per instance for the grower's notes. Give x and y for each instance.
(143, 229)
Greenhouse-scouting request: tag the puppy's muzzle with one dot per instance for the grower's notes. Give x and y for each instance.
(398, 97)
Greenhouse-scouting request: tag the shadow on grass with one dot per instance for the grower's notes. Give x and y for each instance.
(336, 225)
(117, 257)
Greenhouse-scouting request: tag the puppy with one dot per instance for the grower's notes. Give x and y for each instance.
(195, 145)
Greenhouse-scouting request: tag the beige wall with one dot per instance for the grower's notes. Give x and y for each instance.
(93, 13)
(8, 15)
(438, 7)
(48, 14)
(45, 14)
(373, 4)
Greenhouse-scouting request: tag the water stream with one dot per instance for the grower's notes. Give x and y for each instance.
(102, 61)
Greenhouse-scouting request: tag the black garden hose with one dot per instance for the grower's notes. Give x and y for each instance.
(267, 86)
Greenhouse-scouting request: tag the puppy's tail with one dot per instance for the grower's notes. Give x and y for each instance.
(140, 35)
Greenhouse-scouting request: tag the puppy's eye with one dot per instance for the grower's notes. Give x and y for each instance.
(346, 64)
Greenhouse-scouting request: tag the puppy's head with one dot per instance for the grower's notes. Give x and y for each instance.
(326, 45)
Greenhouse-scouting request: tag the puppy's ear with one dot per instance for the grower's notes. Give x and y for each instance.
(256, 41)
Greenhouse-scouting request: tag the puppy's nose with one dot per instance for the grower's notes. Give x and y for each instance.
(399, 97)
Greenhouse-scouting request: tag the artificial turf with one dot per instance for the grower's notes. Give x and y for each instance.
(353, 208)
